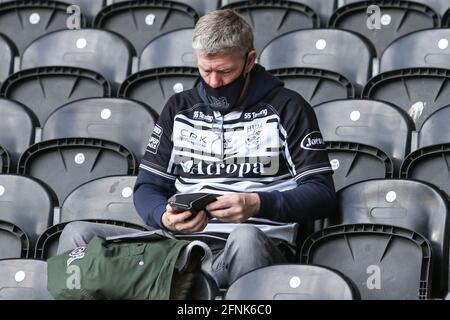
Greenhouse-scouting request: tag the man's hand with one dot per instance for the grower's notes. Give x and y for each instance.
(235, 208)
(177, 221)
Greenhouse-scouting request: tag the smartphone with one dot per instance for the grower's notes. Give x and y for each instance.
(194, 202)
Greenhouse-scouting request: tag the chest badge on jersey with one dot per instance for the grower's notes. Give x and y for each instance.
(253, 136)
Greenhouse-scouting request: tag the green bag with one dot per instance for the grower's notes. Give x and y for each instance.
(110, 270)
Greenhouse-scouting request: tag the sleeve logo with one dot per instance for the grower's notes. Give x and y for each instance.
(313, 141)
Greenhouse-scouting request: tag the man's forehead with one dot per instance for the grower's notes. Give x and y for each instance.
(218, 60)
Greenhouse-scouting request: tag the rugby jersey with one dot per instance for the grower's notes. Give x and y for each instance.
(270, 143)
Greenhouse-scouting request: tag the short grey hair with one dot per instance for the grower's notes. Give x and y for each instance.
(222, 31)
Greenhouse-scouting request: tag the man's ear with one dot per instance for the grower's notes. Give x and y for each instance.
(251, 59)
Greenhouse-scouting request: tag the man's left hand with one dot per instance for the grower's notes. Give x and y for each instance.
(234, 208)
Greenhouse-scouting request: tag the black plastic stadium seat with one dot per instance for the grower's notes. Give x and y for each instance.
(14, 116)
(270, 19)
(200, 6)
(418, 91)
(7, 53)
(14, 242)
(102, 51)
(435, 129)
(27, 204)
(329, 49)
(5, 161)
(397, 19)
(429, 164)
(26, 20)
(408, 204)
(384, 262)
(324, 8)
(126, 122)
(315, 85)
(142, 21)
(45, 89)
(47, 244)
(355, 162)
(425, 48)
(155, 86)
(173, 49)
(292, 282)
(65, 164)
(23, 280)
(109, 198)
(373, 123)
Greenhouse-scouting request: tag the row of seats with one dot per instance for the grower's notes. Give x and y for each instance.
(382, 222)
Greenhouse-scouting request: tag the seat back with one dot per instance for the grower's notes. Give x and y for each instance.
(173, 49)
(291, 282)
(408, 204)
(23, 280)
(142, 21)
(98, 50)
(7, 53)
(418, 91)
(201, 7)
(25, 21)
(27, 204)
(373, 123)
(425, 48)
(5, 161)
(45, 89)
(329, 49)
(435, 128)
(154, 87)
(13, 116)
(384, 262)
(126, 122)
(109, 198)
(89, 8)
(397, 19)
(314, 85)
(65, 164)
(270, 19)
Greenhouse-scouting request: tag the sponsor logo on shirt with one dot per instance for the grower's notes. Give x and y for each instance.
(313, 141)
(193, 138)
(76, 254)
(157, 131)
(221, 169)
(153, 145)
(201, 116)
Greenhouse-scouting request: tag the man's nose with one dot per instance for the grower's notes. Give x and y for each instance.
(215, 80)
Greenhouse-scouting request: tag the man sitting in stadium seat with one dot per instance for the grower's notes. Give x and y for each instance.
(243, 136)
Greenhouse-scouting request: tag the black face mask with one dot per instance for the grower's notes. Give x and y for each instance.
(224, 98)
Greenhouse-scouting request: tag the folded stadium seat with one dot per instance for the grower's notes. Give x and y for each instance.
(89, 8)
(98, 50)
(292, 282)
(45, 89)
(418, 91)
(173, 49)
(270, 19)
(26, 20)
(324, 8)
(424, 48)
(355, 162)
(13, 116)
(109, 198)
(315, 85)
(5, 161)
(154, 87)
(384, 262)
(142, 21)
(434, 130)
(373, 123)
(27, 204)
(414, 205)
(47, 244)
(397, 19)
(329, 49)
(65, 164)
(124, 121)
(14, 242)
(7, 53)
(201, 7)
(23, 280)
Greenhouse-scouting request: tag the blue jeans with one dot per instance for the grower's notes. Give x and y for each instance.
(247, 248)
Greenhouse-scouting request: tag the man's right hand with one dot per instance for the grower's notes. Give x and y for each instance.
(176, 221)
